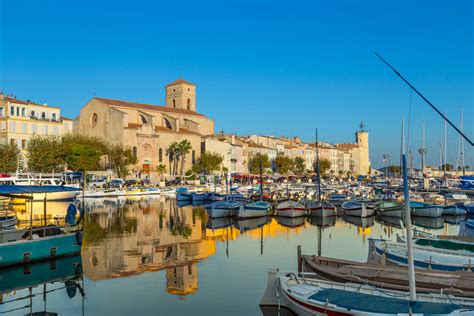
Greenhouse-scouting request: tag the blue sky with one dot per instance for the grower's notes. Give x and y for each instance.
(268, 67)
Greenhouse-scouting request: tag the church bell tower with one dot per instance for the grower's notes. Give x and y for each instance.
(181, 94)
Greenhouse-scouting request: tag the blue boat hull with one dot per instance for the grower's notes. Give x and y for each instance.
(36, 250)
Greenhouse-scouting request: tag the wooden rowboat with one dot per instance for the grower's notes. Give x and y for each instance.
(390, 277)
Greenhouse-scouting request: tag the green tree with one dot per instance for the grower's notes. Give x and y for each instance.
(254, 163)
(208, 163)
(82, 153)
(394, 169)
(449, 167)
(284, 164)
(81, 157)
(9, 155)
(184, 147)
(45, 154)
(324, 165)
(300, 166)
(120, 159)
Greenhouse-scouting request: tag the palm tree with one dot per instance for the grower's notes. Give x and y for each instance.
(161, 169)
(171, 151)
(184, 147)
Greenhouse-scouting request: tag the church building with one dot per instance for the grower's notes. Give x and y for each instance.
(148, 129)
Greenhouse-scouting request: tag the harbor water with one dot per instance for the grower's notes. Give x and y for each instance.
(153, 256)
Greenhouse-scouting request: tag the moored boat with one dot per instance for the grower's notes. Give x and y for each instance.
(223, 208)
(454, 210)
(357, 209)
(425, 257)
(389, 209)
(307, 296)
(321, 209)
(290, 209)
(253, 210)
(425, 210)
(459, 283)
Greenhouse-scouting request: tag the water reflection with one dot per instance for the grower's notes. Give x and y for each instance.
(27, 288)
(184, 252)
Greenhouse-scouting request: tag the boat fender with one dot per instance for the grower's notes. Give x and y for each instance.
(79, 237)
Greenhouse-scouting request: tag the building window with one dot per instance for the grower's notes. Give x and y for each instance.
(1, 112)
(160, 155)
(55, 130)
(54, 116)
(193, 154)
(12, 142)
(12, 110)
(17, 111)
(43, 115)
(144, 120)
(23, 144)
(167, 123)
(174, 103)
(33, 128)
(23, 112)
(94, 119)
(23, 128)
(12, 127)
(134, 152)
(189, 104)
(32, 114)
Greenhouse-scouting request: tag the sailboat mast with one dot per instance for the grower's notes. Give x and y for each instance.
(409, 237)
(261, 180)
(445, 146)
(318, 168)
(462, 145)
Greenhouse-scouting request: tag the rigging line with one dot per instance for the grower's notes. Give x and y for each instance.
(425, 99)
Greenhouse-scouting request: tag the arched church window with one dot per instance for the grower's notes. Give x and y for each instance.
(143, 119)
(167, 123)
(160, 155)
(189, 104)
(174, 103)
(134, 152)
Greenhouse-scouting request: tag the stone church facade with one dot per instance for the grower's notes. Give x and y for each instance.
(148, 129)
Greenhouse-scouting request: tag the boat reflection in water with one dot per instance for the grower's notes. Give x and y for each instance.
(291, 222)
(323, 221)
(21, 287)
(428, 222)
(251, 224)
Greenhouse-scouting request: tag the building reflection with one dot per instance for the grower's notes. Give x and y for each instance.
(154, 234)
(144, 236)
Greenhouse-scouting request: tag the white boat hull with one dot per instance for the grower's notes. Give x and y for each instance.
(433, 211)
(363, 211)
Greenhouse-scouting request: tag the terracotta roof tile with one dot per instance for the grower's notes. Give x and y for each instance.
(148, 107)
(346, 146)
(179, 81)
(133, 125)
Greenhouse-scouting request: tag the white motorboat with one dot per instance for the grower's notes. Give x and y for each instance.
(253, 210)
(389, 209)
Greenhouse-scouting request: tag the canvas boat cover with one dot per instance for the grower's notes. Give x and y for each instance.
(25, 189)
(379, 304)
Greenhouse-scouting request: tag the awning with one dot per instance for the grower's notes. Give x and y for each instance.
(25, 189)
